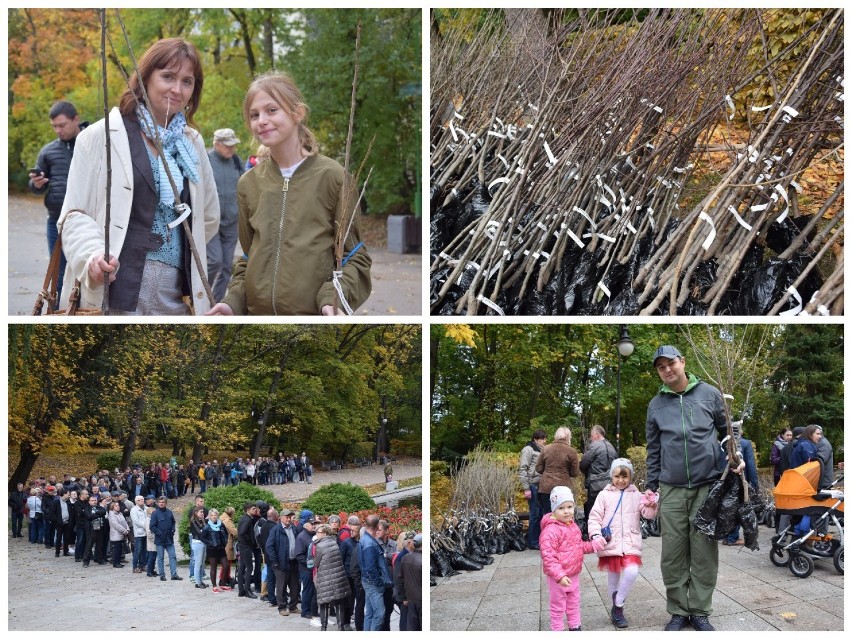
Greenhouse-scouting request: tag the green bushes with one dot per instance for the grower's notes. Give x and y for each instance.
(335, 498)
(220, 499)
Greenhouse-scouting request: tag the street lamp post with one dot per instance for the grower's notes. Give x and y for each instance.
(625, 349)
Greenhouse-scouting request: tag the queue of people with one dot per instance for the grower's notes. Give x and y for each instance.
(163, 176)
(338, 568)
(685, 424)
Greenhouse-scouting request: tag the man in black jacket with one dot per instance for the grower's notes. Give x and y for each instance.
(65, 521)
(17, 501)
(48, 507)
(50, 174)
(248, 544)
(95, 526)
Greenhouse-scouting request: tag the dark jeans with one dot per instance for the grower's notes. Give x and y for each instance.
(309, 593)
(52, 236)
(152, 558)
(49, 533)
(139, 552)
(17, 524)
(543, 504)
(358, 608)
(414, 616)
(388, 596)
(93, 546)
(534, 529)
(117, 552)
(79, 543)
(36, 531)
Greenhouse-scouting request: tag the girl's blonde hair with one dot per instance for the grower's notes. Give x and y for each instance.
(281, 88)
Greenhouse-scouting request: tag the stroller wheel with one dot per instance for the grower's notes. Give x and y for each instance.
(801, 565)
(779, 556)
(838, 560)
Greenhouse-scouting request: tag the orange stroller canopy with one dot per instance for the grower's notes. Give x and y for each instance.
(795, 492)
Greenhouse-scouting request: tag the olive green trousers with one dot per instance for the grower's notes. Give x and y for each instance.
(689, 560)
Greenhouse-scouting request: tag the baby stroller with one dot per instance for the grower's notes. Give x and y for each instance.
(808, 539)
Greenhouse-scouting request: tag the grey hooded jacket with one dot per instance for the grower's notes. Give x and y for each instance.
(682, 432)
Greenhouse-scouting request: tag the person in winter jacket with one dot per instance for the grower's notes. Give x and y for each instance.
(529, 483)
(162, 524)
(682, 431)
(615, 517)
(778, 446)
(557, 464)
(329, 576)
(289, 208)
(118, 529)
(562, 550)
(214, 536)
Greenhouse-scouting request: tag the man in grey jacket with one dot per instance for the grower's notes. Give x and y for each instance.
(529, 482)
(685, 419)
(597, 457)
(227, 169)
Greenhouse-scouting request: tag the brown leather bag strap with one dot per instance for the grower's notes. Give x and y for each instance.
(48, 291)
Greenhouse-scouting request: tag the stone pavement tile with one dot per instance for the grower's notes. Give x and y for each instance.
(453, 589)
(807, 617)
(510, 586)
(743, 621)
(522, 572)
(760, 595)
(811, 589)
(832, 605)
(442, 623)
(458, 608)
(518, 622)
(526, 558)
(508, 604)
(725, 605)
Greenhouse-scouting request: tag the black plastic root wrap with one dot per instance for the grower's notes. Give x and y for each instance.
(724, 509)
(760, 282)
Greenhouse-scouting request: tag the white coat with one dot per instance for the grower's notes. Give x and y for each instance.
(82, 234)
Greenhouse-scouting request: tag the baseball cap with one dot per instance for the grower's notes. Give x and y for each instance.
(667, 351)
(286, 513)
(226, 137)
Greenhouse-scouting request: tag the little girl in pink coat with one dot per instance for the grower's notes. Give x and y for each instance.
(562, 549)
(618, 507)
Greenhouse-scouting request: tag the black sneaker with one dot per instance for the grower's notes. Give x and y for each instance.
(177, 578)
(162, 577)
(616, 614)
(700, 622)
(677, 622)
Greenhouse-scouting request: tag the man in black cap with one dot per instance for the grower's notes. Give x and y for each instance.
(686, 419)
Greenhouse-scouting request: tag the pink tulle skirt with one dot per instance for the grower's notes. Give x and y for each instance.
(618, 564)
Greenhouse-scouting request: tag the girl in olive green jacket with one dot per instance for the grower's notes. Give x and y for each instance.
(288, 207)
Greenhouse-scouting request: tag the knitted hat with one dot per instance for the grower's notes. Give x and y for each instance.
(617, 463)
(559, 496)
(305, 515)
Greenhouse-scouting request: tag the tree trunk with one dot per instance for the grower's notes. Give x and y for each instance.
(268, 44)
(257, 443)
(135, 421)
(196, 452)
(25, 466)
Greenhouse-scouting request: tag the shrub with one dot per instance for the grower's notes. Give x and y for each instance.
(220, 499)
(403, 518)
(335, 498)
(362, 449)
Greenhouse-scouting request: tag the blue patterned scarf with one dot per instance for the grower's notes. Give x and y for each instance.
(177, 148)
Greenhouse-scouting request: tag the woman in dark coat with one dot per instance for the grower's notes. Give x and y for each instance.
(330, 577)
(558, 463)
(215, 538)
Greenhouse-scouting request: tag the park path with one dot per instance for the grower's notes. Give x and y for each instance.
(39, 582)
(397, 278)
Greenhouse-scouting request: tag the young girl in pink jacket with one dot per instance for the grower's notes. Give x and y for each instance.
(562, 549)
(615, 519)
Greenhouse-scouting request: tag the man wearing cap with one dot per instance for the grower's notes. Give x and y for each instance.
(685, 420)
(306, 577)
(281, 554)
(227, 169)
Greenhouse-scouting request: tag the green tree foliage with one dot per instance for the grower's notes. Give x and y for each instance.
(55, 54)
(335, 498)
(515, 378)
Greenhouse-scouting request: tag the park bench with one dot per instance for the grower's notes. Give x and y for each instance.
(324, 465)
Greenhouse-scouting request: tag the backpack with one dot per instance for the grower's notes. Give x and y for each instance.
(309, 558)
